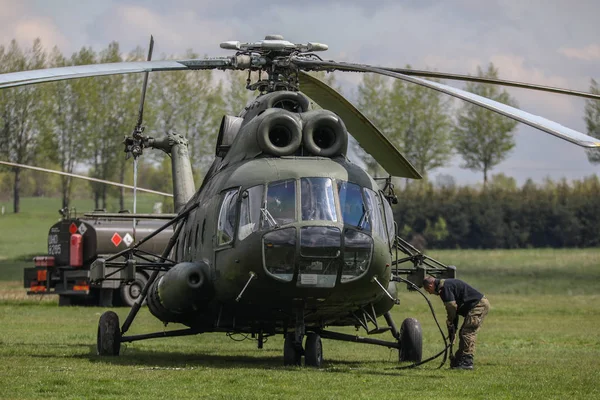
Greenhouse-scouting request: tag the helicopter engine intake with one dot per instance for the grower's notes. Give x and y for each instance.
(184, 288)
(279, 133)
(324, 134)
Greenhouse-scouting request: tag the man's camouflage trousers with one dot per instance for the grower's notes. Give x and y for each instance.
(470, 327)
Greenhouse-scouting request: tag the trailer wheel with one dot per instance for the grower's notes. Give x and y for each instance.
(63, 300)
(130, 292)
(411, 341)
(108, 342)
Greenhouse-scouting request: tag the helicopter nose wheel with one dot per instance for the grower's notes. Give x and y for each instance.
(293, 351)
(313, 353)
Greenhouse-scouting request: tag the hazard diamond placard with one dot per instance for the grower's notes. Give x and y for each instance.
(82, 228)
(127, 239)
(116, 239)
(72, 228)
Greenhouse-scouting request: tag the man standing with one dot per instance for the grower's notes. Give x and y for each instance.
(460, 299)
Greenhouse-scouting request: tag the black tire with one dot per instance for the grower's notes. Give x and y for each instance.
(108, 342)
(292, 355)
(130, 292)
(313, 351)
(64, 301)
(411, 341)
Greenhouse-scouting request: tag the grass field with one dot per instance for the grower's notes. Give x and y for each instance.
(541, 340)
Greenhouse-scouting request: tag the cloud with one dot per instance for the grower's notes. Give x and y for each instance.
(588, 53)
(27, 30)
(175, 30)
(18, 21)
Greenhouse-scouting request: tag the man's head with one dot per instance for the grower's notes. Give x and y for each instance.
(429, 284)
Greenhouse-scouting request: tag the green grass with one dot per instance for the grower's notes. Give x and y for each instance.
(540, 340)
(529, 347)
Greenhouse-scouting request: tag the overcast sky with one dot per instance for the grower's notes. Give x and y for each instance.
(551, 42)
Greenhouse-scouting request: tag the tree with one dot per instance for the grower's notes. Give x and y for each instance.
(421, 125)
(373, 101)
(113, 115)
(235, 94)
(414, 118)
(484, 138)
(592, 120)
(192, 105)
(68, 110)
(20, 111)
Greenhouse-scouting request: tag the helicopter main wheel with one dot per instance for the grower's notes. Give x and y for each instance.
(313, 350)
(411, 341)
(292, 353)
(108, 342)
(130, 292)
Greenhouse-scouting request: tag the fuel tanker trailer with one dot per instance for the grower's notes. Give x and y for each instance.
(74, 243)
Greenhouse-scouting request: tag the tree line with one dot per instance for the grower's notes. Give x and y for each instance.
(82, 122)
(502, 215)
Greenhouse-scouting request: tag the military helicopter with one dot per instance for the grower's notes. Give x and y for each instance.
(285, 236)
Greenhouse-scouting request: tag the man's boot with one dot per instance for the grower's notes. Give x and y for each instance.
(466, 362)
(455, 360)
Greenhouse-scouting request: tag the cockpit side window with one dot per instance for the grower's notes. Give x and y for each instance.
(316, 196)
(374, 213)
(389, 219)
(227, 218)
(252, 200)
(353, 206)
(280, 207)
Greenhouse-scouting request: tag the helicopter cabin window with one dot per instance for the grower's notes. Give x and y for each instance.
(316, 196)
(184, 246)
(250, 211)
(175, 251)
(280, 204)
(374, 213)
(227, 218)
(352, 205)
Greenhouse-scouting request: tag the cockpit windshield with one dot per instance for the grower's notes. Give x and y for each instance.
(317, 199)
(280, 203)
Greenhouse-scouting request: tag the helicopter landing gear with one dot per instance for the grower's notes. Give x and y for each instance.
(313, 353)
(108, 342)
(411, 341)
(292, 350)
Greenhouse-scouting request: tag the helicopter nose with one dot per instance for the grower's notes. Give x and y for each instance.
(324, 256)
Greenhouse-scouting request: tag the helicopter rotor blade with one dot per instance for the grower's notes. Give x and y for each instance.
(87, 178)
(492, 81)
(370, 138)
(22, 78)
(535, 121)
